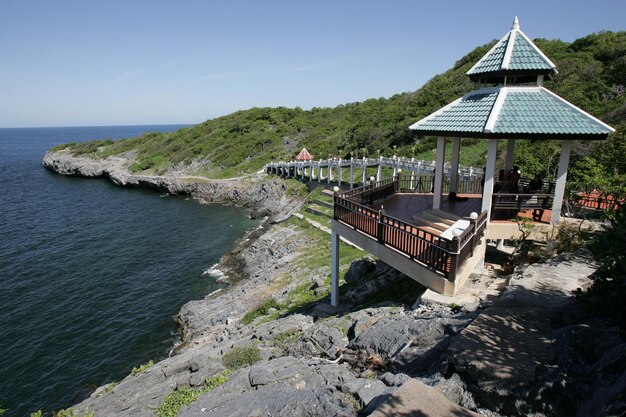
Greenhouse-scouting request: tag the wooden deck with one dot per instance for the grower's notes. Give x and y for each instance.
(405, 206)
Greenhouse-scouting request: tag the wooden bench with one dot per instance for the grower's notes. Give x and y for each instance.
(522, 202)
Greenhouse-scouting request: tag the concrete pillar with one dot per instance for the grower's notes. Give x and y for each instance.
(439, 171)
(302, 171)
(510, 153)
(379, 173)
(454, 169)
(319, 172)
(330, 172)
(339, 173)
(351, 173)
(364, 171)
(490, 170)
(334, 281)
(559, 191)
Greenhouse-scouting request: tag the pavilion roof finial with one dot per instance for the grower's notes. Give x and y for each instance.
(515, 25)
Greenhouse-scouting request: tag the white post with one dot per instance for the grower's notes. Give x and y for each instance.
(330, 171)
(351, 173)
(334, 282)
(454, 169)
(439, 161)
(302, 172)
(379, 173)
(559, 191)
(319, 172)
(490, 170)
(510, 152)
(364, 171)
(339, 173)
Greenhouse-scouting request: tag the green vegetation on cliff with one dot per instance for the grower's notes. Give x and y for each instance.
(592, 75)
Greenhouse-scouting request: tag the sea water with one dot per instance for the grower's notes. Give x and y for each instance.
(91, 274)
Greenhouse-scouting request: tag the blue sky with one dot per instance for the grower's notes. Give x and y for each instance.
(93, 62)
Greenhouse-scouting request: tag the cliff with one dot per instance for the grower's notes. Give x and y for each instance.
(264, 196)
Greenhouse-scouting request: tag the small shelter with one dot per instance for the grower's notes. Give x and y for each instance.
(518, 107)
(304, 155)
(439, 241)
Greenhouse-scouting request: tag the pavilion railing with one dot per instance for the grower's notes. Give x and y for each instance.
(443, 255)
(508, 205)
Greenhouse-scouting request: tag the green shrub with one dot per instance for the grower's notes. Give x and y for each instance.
(139, 369)
(608, 290)
(239, 357)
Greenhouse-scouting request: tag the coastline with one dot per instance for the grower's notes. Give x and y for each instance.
(348, 361)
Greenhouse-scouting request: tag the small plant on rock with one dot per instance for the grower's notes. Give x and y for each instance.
(239, 357)
(141, 368)
(174, 401)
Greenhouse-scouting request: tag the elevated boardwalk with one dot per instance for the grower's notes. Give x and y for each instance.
(322, 170)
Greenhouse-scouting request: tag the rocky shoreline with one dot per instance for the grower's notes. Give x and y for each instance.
(265, 196)
(524, 351)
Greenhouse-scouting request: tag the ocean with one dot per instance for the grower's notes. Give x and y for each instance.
(91, 274)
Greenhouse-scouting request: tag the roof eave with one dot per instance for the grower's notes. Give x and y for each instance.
(534, 136)
(511, 73)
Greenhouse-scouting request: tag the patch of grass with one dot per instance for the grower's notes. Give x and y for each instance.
(141, 368)
(69, 412)
(174, 401)
(60, 148)
(239, 357)
(294, 188)
(261, 310)
(108, 388)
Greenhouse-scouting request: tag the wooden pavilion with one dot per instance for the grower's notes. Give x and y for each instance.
(438, 240)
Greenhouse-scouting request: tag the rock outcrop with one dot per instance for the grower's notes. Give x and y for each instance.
(264, 195)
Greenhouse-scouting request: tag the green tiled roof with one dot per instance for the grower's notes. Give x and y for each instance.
(468, 114)
(539, 111)
(511, 111)
(492, 61)
(512, 54)
(525, 56)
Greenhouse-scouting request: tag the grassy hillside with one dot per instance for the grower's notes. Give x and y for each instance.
(592, 75)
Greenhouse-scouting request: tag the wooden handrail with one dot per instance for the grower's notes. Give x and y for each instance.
(443, 255)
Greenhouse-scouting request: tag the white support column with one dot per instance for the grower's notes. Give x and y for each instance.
(319, 172)
(334, 282)
(351, 173)
(439, 171)
(339, 173)
(561, 177)
(330, 171)
(379, 173)
(510, 153)
(364, 170)
(454, 169)
(490, 170)
(302, 172)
